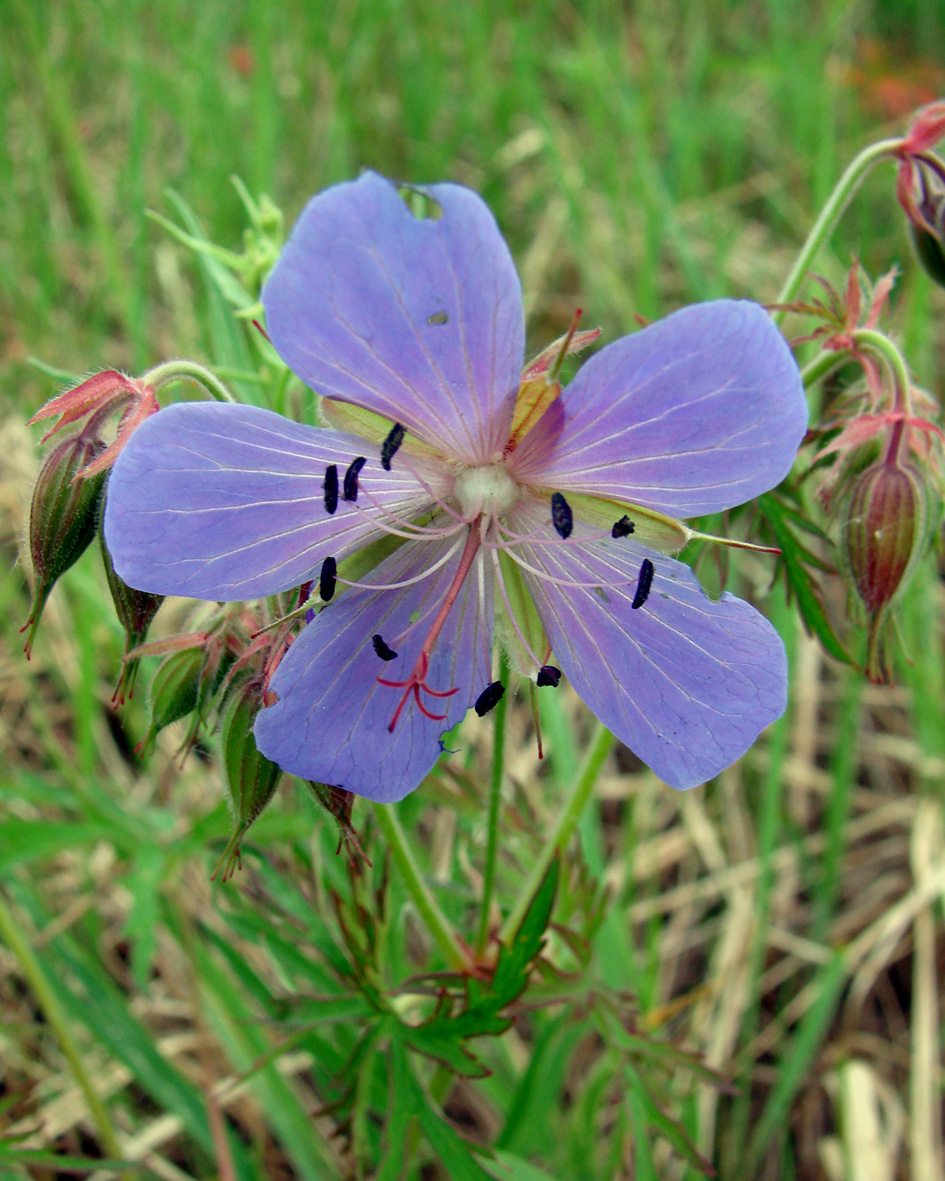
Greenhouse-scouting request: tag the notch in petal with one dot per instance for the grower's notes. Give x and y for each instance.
(417, 319)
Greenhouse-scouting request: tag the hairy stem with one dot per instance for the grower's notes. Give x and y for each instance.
(171, 371)
(495, 800)
(436, 922)
(599, 749)
(830, 214)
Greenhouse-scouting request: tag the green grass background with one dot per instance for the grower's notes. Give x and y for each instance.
(637, 156)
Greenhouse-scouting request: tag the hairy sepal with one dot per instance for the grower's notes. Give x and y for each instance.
(655, 530)
(526, 617)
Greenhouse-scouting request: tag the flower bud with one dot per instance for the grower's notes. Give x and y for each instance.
(135, 610)
(174, 691)
(63, 518)
(250, 777)
(921, 192)
(884, 531)
(930, 251)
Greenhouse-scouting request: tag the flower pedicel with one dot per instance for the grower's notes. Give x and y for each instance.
(475, 494)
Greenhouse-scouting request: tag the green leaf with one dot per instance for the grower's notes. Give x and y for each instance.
(445, 1142)
(657, 1117)
(227, 335)
(62, 1163)
(511, 973)
(795, 1063)
(144, 883)
(797, 563)
(508, 1167)
(25, 840)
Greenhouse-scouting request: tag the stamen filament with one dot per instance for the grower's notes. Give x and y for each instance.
(535, 539)
(508, 608)
(416, 531)
(599, 585)
(407, 581)
(416, 682)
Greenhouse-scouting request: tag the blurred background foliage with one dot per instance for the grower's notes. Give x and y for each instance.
(784, 923)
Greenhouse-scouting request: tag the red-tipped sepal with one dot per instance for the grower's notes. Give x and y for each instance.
(251, 778)
(63, 518)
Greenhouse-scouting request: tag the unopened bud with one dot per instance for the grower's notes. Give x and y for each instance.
(251, 778)
(174, 691)
(63, 518)
(922, 195)
(135, 610)
(930, 251)
(884, 531)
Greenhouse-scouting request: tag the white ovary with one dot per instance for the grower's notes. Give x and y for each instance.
(489, 490)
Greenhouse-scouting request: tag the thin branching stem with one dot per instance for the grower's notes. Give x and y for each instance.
(171, 371)
(495, 800)
(846, 186)
(436, 922)
(600, 747)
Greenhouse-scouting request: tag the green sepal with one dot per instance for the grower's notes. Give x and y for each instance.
(63, 518)
(525, 616)
(251, 778)
(664, 534)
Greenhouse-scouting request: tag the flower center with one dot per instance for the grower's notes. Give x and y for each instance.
(489, 490)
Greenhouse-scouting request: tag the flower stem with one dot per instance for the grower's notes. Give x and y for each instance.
(55, 1017)
(599, 749)
(830, 214)
(436, 922)
(820, 365)
(495, 800)
(171, 371)
(881, 346)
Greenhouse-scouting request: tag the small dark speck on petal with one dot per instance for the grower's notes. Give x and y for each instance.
(622, 528)
(438, 318)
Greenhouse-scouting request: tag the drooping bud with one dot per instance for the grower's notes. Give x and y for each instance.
(63, 518)
(929, 238)
(338, 803)
(883, 537)
(174, 691)
(135, 610)
(885, 525)
(251, 778)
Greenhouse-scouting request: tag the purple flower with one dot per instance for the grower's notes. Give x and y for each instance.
(475, 499)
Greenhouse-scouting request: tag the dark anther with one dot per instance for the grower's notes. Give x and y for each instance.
(326, 580)
(391, 445)
(643, 585)
(548, 675)
(561, 514)
(382, 649)
(331, 488)
(351, 478)
(622, 528)
(489, 698)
